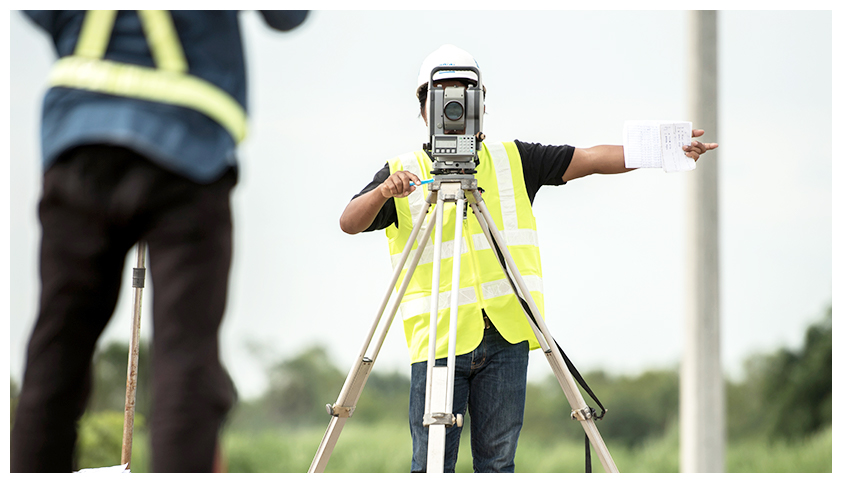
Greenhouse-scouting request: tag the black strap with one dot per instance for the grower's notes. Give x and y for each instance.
(581, 381)
(573, 371)
(587, 455)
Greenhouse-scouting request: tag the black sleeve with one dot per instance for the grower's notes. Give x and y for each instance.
(543, 165)
(43, 18)
(284, 20)
(388, 214)
(63, 26)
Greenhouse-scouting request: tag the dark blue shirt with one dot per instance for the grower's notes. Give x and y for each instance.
(177, 138)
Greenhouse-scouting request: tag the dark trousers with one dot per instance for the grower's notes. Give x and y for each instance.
(98, 201)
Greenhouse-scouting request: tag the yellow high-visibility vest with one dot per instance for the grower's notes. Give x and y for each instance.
(482, 284)
(169, 82)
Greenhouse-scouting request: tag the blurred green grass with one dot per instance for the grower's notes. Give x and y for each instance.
(386, 448)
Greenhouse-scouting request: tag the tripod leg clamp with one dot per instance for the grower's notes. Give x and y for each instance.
(447, 419)
(582, 414)
(340, 411)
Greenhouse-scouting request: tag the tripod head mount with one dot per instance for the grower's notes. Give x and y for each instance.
(453, 187)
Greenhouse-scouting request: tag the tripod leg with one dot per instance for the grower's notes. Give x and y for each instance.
(542, 333)
(396, 272)
(357, 377)
(395, 275)
(437, 432)
(440, 380)
(434, 304)
(454, 304)
(138, 279)
(438, 414)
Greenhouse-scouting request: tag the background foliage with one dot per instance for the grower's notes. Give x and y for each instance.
(779, 417)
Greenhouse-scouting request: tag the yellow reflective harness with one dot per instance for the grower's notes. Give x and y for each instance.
(168, 82)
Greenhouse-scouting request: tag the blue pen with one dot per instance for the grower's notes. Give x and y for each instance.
(412, 183)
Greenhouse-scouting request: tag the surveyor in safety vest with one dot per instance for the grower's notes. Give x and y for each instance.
(139, 134)
(493, 335)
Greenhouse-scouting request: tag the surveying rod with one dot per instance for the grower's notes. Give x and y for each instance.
(358, 375)
(138, 281)
(581, 411)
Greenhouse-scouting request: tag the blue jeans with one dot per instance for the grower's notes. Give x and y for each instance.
(491, 383)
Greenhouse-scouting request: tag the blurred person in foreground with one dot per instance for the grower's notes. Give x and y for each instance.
(138, 136)
(493, 335)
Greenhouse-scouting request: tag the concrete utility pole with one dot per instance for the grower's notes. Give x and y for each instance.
(702, 417)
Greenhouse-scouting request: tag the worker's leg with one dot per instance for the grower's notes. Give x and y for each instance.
(189, 259)
(497, 401)
(81, 262)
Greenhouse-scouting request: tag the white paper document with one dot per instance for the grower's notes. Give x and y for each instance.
(657, 144)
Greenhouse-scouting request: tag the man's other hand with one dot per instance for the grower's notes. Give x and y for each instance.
(697, 148)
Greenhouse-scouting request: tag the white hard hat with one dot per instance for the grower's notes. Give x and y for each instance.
(447, 54)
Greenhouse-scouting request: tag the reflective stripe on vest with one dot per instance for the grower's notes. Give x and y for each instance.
(483, 285)
(490, 290)
(168, 83)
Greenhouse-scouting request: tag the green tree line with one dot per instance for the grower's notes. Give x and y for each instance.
(784, 396)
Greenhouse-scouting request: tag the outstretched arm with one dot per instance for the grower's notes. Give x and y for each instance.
(362, 210)
(610, 160)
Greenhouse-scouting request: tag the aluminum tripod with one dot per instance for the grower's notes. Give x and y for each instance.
(439, 395)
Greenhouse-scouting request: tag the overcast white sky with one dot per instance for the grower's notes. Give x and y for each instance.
(331, 101)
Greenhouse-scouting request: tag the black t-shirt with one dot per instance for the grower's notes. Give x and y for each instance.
(542, 165)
